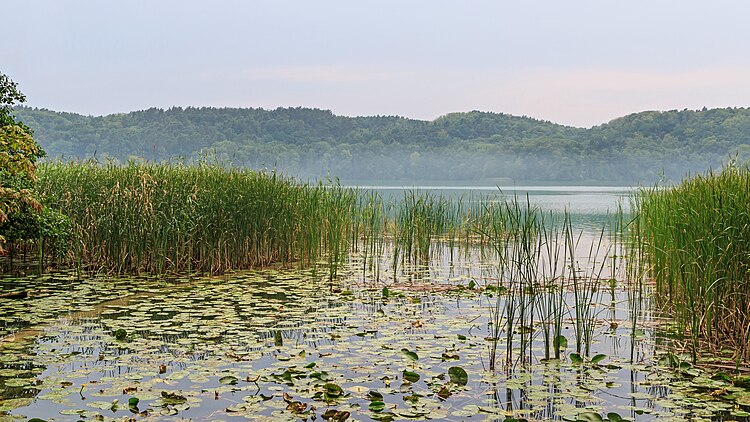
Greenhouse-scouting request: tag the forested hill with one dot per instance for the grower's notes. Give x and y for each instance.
(473, 146)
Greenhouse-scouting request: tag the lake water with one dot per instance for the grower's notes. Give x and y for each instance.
(590, 207)
(378, 343)
(597, 200)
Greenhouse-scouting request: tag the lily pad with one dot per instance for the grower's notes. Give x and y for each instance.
(458, 375)
(410, 376)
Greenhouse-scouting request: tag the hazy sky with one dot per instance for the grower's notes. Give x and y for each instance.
(580, 63)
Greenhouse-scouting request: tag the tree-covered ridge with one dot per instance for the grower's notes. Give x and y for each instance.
(459, 146)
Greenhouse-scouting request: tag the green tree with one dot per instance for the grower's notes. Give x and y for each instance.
(21, 213)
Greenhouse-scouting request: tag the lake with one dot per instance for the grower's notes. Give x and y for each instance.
(569, 336)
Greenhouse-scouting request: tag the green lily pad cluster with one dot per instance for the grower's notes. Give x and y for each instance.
(286, 345)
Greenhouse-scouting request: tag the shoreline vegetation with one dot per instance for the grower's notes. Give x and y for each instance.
(691, 240)
(640, 148)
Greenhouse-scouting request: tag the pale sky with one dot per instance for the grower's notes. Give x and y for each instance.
(579, 63)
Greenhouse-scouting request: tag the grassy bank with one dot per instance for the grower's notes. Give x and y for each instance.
(696, 241)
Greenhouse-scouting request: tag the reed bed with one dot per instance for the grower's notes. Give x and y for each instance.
(695, 240)
(160, 218)
(207, 218)
(549, 278)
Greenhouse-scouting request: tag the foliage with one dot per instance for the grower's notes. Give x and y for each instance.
(21, 213)
(313, 143)
(162, 218)
(696, 240)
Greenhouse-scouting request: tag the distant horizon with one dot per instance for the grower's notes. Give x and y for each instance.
(183, 107)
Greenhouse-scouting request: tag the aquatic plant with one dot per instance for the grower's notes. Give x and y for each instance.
(168, 217)
(695, 238)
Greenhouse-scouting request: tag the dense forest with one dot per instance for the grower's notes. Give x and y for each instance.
(473, 146)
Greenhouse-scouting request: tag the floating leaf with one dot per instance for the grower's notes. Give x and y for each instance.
(576, 359)
(386, 293)
(374, 396)
(169, 397)
(296, 407)
(410, 376)
(561, 343)
(332, 390)
(228, 380)
(409, 354)
(376, 406)
(458, 375)
(589, 417)
(444, 392)
(449, 356)
(614, 417)
(335, 415)
(133, 401)
(598, 358)
(121, 334)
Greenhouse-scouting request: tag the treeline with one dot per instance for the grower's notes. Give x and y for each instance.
(473, 146)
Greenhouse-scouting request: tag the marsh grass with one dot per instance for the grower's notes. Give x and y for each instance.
(548, 276)
(207, 218)
(160, 218)
(695, 238)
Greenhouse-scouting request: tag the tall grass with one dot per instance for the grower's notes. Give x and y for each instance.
(547, 275)
(161, 218)
(696, 240)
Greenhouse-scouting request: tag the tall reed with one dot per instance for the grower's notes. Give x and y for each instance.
(161, 218)
(696, 239)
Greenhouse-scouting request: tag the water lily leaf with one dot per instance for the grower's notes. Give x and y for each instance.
(120, 334)
(170, 397)
(614, 417)
(133, 401)
(598, 358)
(228, 380)
(449, 356)
(19, 382)
(410, 376)
(333, 390)
(386, 293)
(335, 415)
(458, 375)
(561, 343)
(374, 396)
(409, 354)
(589, 417)
(376, 406)
(384, 416)
(576, 359)
(296, 407)
(102, 405)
